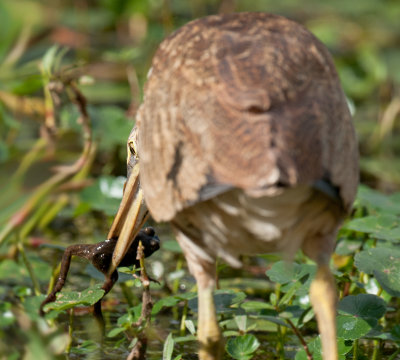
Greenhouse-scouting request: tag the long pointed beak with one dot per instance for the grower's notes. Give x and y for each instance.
(131, 215)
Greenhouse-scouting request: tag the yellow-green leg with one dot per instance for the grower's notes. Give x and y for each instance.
(208, 333)
(323, 299)
(211, 344)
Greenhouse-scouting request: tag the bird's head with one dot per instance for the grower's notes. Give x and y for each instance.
(132, 212)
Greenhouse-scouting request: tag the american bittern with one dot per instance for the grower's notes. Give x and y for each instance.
(246, 146)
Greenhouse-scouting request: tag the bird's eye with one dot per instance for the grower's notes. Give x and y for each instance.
(132, 148)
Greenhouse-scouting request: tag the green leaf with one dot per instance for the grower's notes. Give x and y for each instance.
(373, 199)
(173, 246)
(182, 339)
(186, 296)
(87, 347)
(131, 316)
(273, 319)
(49, 59)
(384, 264)
(358, 315)
(168, 347)
(289, 274)
(31, 306)
(190, 326)
(242, 347)
(11, 271)
(396, 333)
(223, 300)
(386, 227)
(348, 246)
(111, 126)
(344, 347)
(249, 285)
(168, 301)
(7, 317)
(67, 300)
(255, 305)
(363, 305)
(285, 300)
(351, 327)
(115, 332)
(105, 194)
(241, 322)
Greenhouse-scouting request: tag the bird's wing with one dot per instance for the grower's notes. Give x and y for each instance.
(246, 100)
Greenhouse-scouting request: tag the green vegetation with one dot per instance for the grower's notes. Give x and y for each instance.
(71, 74)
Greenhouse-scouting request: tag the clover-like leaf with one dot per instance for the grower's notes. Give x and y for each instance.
(290, 274)
(70, 299)
(384, 264)
(223, 299)
(358, 315)
(386, 227)
(344, 346)
(242, 347)
(396, 333)
(373, 199)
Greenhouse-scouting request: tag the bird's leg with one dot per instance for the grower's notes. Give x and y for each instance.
(208, 333)
(323, 299)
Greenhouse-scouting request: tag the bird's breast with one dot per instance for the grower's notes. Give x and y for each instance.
(235, 223)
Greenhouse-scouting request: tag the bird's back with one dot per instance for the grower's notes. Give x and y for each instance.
(249, 101)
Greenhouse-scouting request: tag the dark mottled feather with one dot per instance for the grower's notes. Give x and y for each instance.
(249, 101)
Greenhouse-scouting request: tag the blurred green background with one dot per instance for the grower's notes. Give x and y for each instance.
(103, 49)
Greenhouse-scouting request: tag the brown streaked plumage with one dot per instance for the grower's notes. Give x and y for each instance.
(246, 145)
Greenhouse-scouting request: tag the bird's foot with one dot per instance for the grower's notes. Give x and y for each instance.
(211, 348)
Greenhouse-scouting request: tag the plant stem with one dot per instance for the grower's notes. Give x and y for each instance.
(139, 350)
(175, 285)
(375, 354)
(70, 331)
(183, 319)
(53, 278)
(52, 210)
(303, 342)
(355, 349)
(128, 294)
(35, 282)
(280, 345)
(29, 159)
(31, 222)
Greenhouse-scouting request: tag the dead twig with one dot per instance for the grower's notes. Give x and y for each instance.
(139, 350)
